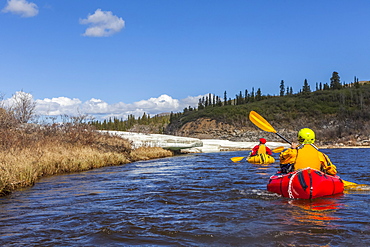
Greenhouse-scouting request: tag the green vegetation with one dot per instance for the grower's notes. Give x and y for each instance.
(346, 102)
(337, 111)
(157, 123)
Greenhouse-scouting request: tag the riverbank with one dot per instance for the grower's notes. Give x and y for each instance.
(342, 146)
(30, 153)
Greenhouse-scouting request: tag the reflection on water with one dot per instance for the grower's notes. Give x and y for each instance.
(192, 200)
(317, 211)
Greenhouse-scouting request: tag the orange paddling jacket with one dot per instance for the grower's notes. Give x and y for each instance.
(305, 156)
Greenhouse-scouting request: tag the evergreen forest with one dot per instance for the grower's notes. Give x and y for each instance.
(342, 109)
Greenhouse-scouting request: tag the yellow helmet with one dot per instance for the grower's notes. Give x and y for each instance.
(306, 136)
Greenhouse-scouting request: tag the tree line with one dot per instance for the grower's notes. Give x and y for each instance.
(212, 101)
(125, 125)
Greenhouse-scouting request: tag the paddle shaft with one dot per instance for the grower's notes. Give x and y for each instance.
(282, 137)
(262, 123)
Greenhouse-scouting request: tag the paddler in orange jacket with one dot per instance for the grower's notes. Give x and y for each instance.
(261, 148)
(305, 155)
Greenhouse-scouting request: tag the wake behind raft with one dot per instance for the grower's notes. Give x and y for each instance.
(306, 183)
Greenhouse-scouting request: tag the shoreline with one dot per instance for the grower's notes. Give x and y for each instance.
(190, 144)
(71, 162)
(320, 147)
(340, 147)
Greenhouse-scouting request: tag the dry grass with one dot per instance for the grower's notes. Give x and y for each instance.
(29, 152)
(146, 153)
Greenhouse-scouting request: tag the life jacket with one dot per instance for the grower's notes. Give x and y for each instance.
(261, 149)
(308, 156)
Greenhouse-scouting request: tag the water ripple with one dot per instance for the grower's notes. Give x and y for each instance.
(192, 200)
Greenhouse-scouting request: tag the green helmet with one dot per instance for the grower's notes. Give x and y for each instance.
(306, 136)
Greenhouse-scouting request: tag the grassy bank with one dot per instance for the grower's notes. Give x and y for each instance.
(29, 152)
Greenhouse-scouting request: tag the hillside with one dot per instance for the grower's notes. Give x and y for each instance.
(338, 116)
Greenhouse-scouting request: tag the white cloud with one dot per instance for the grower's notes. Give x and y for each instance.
(163, 103)
(191, 100)
(102, 110)
(21, 7)
(58, 106)
(102, 24)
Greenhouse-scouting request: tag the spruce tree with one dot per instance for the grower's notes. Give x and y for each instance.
(252, 95)
(246, 96)
(258, 95)
(306, 87)
(335, 81)
(241, 101)
(200, 105)
(282, 88)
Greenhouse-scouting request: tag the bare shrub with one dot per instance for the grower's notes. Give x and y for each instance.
(22, 107)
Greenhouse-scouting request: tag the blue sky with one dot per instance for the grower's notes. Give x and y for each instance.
(113, 58)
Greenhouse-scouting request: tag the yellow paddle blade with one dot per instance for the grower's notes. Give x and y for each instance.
(350, 186)
(260, 122)
(236, 159)
(278, 149)
(346, 183)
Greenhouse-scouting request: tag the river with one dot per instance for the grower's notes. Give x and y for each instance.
(191, 200)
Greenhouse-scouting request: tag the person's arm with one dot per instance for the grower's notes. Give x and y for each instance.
(268, 151)
(327, 165)
(287, 160)
(294, 145)
(288, 156)
(254, 150)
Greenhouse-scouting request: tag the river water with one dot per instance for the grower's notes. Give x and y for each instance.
(190, 200)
